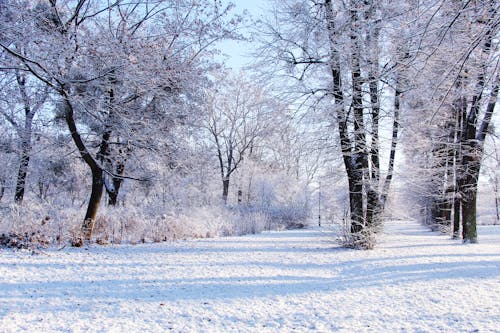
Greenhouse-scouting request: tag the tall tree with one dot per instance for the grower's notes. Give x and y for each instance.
(332, 49)
(238, 115)
(456, 76)
(31, 102)
(82, 49)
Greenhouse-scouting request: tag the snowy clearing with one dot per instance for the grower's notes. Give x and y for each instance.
(293, 281)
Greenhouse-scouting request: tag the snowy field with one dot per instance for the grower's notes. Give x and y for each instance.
(294, 281)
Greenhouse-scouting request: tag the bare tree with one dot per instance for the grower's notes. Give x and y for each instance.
(23, 98)
(238, 116)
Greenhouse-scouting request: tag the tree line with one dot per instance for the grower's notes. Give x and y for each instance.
(104, 99)
(428, 66)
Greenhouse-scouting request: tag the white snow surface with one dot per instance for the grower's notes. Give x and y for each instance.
(292, 281)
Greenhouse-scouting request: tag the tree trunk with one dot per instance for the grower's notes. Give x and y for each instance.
(26, 131)
(112, 198)
(471, 159)
(373, 204)
(446, 213)
(95, 168)
(117, 183)
(456, 216)
(94, 202)
(449, 184)
(353, 171)
(373, 213)
(113, 195)
(469, 230)
(25, 158)
(468, 192)
(360, 172)
(473, 136)
(249, 188)
(472, 153)
(461, 114)
(496, 206)
(2, 188)
(356, 203)
(225, 189)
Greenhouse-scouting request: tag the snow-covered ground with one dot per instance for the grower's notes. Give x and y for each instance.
(294, 281)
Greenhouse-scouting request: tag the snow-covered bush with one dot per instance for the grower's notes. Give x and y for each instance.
(38, 225)
(45, 224)
(363, 240)
(366, 239)
(246, 220)
(281, 201)
(288, 217)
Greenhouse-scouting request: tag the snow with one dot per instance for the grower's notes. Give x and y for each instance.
(292, 281)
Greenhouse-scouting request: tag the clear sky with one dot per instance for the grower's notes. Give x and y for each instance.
(238, 53)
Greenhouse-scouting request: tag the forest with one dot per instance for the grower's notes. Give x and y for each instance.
(121, 123)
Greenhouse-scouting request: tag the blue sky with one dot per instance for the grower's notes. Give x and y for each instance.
(238, 53)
